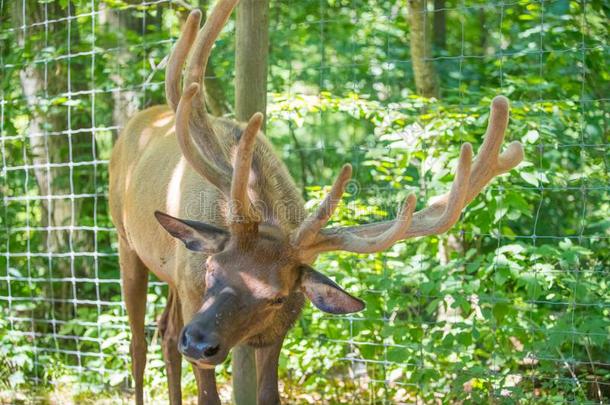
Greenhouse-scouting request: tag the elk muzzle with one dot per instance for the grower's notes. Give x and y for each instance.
(207, 339)
(199, 346)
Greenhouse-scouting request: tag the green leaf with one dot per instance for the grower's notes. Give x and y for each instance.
(530, 178)
(500, 310)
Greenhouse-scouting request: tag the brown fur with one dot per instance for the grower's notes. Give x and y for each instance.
(148, 146)
(238, 263)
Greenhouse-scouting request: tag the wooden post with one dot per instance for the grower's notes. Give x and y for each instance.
(251, 55)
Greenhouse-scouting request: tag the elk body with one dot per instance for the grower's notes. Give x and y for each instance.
(238, 265)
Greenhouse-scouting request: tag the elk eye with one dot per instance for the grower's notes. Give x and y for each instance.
(277, 301)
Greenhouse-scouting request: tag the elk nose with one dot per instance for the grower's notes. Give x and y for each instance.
(197, 345)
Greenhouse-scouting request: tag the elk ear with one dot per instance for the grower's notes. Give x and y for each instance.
(196, 236)
(326, 294)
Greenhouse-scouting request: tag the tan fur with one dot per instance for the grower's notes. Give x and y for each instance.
(148, 173)
(147, 165)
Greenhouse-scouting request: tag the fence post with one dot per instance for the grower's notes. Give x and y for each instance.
(251, 54)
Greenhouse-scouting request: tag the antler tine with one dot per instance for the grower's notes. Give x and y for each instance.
(173, 71)
(343, 239)
(438, 218)
(206, 38)
(308, 230)
(205, 136)
(443, 213)
(450, 205)
(204, 167)
(489, 162)
(241, 206)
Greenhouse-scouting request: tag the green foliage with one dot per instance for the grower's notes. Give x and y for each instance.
(512, 305)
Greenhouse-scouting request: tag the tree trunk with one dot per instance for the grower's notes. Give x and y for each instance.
(440, 24)
(251, 55)
(60, 215)
(426, 80)
(125, 101)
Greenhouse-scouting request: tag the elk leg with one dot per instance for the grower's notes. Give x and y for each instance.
(170, 326)
(206, 386)
(267, 359)
(135, 286)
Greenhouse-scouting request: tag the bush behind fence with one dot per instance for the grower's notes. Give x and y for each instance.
(511, 304)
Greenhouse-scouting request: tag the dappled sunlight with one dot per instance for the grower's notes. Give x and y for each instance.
(145, 137)
(165, 120)
(174, 197)
(511, 305)
(259, 287)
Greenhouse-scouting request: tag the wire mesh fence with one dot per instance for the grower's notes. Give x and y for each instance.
(512, 303)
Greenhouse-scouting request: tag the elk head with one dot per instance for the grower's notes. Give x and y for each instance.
(256, 273)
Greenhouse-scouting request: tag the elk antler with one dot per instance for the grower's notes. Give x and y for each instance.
(204, 167)
(312, 225)
(242, 212)
(173, 71)
(204, 152)
(211, 158)
(437, 218)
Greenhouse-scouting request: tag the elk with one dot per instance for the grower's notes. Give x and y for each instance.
(238, 266)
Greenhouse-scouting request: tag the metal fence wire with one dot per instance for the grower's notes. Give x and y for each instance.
(511, 304)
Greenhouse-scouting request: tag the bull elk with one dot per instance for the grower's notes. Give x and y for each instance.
(243, 269)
